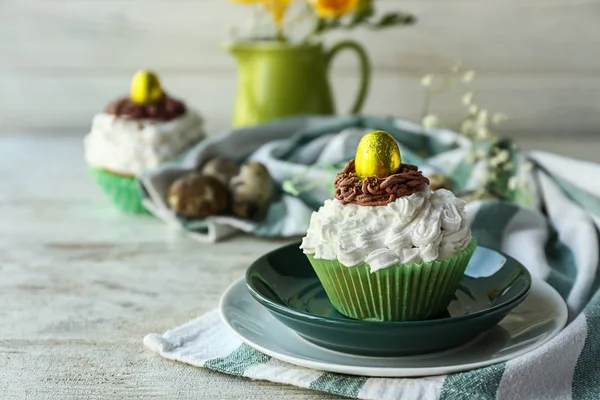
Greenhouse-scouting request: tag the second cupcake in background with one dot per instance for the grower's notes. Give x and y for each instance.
(137, 133)
(388, 248)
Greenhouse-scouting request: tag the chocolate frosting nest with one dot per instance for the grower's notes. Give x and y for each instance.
(165, 109)
(375, 191)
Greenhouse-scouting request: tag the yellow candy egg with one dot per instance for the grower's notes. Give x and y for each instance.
(145, 87)
(377, 154)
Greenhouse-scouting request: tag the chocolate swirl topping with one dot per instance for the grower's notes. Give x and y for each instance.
(165, 109)
(375, 191)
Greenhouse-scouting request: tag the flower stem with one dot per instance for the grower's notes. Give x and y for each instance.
(426, 104)
(280, 35)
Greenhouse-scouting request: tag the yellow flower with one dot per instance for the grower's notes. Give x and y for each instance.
(276, 8)
(334, 8)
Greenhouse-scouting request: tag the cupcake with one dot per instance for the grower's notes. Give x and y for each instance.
(136, 133)
(387, 247)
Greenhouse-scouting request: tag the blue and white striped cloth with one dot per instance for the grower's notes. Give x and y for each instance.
(555, 235)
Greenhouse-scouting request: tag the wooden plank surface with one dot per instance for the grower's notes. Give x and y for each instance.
(539, 105)
(81, 284)
(516, 36)
(62, 60)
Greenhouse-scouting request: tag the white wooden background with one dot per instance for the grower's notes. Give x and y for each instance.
(537, 60)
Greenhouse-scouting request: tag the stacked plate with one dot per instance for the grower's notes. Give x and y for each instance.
(498, 313)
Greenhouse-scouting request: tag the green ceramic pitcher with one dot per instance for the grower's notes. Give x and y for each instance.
(277, 79)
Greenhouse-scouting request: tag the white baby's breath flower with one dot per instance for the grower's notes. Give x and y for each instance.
(527, 166)
(513, 183)
(467, 126)
(467, 98)
(499, 118)
(481, 153)
(508, 166)
(468, 76)
(497, 161)
(483, 117)
(483, 132)
(427, 80)
(430, 121)
(502, 156)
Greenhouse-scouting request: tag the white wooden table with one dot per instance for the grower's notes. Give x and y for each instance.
(82, 284)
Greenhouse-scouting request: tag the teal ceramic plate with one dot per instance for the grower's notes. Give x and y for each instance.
(284, 282)
(540, 317)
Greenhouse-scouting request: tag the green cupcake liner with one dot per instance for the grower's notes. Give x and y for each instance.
(403, 292)
(124, 192)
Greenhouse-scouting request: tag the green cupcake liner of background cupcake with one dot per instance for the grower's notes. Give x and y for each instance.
(124, 191)
(402, 292)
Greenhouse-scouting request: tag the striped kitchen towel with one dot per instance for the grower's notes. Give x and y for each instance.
(556, 238)
(303, 154)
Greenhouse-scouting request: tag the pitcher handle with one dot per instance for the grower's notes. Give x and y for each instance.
(365, 69)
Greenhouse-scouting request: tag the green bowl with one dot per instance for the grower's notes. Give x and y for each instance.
(284, 282)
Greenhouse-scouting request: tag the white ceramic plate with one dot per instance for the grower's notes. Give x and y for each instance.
(538, 319)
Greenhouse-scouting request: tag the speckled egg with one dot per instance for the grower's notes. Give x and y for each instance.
(198, 196)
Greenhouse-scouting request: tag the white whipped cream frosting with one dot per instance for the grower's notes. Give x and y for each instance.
(424, 226)
(130, 147)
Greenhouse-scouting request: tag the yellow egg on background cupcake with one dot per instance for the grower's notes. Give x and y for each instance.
(137, 133)
(387, 247)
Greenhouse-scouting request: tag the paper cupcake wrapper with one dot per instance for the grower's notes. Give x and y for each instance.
(124, 192)
(402, 292)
